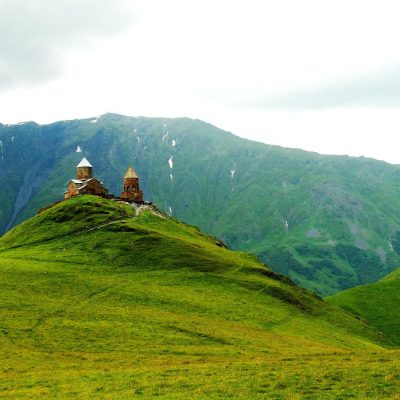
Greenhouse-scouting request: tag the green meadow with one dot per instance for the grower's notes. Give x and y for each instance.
(99, 303)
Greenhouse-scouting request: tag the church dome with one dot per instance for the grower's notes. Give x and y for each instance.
(84, 163)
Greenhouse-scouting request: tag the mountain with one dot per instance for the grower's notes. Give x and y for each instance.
(328, 222)
(378, 303)
(100, 300)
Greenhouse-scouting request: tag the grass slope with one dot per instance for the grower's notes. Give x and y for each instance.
(377, 303)
(96, 302)
(328, 222)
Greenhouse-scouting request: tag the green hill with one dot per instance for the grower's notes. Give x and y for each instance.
(328, 222)
(378, 303)
(100, 301)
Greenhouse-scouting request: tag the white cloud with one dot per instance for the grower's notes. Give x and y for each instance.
(313, 74)
(35, 34)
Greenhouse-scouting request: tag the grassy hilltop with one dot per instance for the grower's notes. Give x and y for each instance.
(97, 302)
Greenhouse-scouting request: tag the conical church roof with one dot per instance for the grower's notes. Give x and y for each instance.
(84, 163)
(130, 173)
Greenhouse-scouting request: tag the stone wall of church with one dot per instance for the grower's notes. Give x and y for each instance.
(93, 187)
(71, 190)
(84, 172)
(131, 190)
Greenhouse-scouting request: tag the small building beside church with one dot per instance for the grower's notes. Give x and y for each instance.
(132, 192)
(85, 183)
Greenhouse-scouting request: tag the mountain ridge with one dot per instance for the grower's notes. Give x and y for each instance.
(329, 222)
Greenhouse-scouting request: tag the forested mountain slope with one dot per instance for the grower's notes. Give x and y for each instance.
(329, 222)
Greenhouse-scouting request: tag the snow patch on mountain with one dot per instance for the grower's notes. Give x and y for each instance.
(286, 224)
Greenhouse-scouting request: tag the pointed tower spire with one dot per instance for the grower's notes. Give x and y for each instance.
(130, 173)
(84, 163)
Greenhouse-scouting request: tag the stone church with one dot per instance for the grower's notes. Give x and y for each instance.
(85, 183)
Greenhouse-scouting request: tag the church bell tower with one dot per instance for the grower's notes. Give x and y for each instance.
(132, 192)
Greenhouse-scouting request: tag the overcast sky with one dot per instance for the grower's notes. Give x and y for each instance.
(320, 75)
